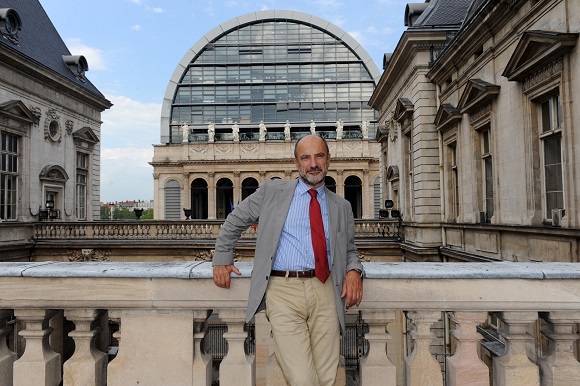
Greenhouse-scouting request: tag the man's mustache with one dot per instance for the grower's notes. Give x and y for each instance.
(314, 169)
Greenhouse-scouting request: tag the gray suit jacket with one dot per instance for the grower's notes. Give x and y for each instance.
(270, 204)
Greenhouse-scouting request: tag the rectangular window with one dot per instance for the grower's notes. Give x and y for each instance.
(81, 185)
(551, 138)
(454, 183)
(8, 176)
(487, 174)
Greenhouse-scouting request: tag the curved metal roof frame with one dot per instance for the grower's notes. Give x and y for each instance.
(250, 18)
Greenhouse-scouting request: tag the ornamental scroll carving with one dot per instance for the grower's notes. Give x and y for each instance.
(37, 113)
(198, 149)
(224, 148)
(88, 255)
(249, 147)
(52, 129)
(481, 116)
(546, 74)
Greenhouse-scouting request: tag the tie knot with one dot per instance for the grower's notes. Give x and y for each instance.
(312, 193)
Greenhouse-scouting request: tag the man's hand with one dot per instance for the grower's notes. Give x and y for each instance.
(352, 288)
(221, 275)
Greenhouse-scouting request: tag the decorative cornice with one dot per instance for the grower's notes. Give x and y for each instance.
(544, 75)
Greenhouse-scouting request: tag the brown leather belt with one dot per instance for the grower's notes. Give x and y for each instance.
(309, 273)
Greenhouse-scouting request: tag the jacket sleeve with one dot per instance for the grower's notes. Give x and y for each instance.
(352, 256)
(245, 214)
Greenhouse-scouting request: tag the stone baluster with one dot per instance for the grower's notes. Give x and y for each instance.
(421, 368)
(465, 368)
(202, 361)
(7, 357)
(514, 367)
(559, 366)
(88, 365)
(376, 368)
(39, 364)
(237, 367)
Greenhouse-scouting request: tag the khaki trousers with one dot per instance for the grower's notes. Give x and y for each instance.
(305, 328)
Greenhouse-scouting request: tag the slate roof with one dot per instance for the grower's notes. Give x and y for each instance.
(443, 13)
(40, 41)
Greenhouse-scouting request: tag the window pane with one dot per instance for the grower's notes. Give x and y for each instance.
(546, 116)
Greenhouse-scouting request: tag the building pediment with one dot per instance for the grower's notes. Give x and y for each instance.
(477, 94)
(403, 110)
(17, 111)
(86, 134)
(53, 173)
(447, 116)
(392, 173)
(381, 134)
(536, 50)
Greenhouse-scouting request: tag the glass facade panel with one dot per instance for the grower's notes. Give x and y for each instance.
(252, 68)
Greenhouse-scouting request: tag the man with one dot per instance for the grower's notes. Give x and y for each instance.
(304, 232)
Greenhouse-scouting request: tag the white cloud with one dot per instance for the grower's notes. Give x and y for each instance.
(264, 8)
(94, 56)
(128, 131)
(136, 27)
(157, 10)
(329, 4)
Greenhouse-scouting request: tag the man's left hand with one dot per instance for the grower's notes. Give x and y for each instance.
(352, 288)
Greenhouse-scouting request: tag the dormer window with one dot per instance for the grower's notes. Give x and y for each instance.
(77, 64)
(10, 24)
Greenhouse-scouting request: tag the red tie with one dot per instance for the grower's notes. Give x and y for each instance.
(318, 238)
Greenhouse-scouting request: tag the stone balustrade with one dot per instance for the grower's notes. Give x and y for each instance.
(163, 308)
(192, 229)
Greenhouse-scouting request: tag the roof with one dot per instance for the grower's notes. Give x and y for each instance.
(39, 41)
(440, 13)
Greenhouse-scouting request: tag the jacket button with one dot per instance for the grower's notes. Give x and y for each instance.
(267, 277)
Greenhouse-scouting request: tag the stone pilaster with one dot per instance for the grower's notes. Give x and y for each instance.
(376, 368)
(7, 357)
(514, 367)
(39, 365)
(465, 368)
(88, 365)
(421, 368)
(559, 366)
(237, 367)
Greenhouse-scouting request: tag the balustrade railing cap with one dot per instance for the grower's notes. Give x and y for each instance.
(373, 270)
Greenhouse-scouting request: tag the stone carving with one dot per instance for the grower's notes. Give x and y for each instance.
(236, 132)
(339, 128)
(202, 254)
(223, 148)
(37, 113)
(185, 131)
(312, 127)
(365, 129)
(198, 148)
(263, 131)
(155, 176)
(287, 131)
(545, 74)
(249, 147)
(52, 126)
(69, 126)
(210, 132)
(89, 255)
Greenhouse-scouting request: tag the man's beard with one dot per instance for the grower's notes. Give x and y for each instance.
(312, 181)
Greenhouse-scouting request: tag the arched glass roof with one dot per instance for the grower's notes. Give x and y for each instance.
(270, 66)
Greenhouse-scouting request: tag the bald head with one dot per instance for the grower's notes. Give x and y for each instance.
(312, 159)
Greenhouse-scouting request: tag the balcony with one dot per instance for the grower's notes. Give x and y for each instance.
(62, 313)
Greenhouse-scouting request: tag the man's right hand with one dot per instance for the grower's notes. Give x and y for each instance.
(221, 275)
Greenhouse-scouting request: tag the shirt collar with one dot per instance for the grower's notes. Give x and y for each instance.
(302, 188)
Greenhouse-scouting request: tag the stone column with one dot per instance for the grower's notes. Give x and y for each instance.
(211, 196)
(514, 367)
(376, 368)
(340, 182)
(88, 365)
(39, 365)
(7, 357)
(237, 367)
(465, 368)
(367, 193)
(237, 193)
(421, 369)
(202, 371)
(559, 366)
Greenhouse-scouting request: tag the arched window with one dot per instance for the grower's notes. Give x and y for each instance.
(330, 183)
(249, 186)
(172, 200)
(353, 193)
(199, 199)
(224, 198)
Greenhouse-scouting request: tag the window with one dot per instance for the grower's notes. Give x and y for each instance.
(454, 182)
(487, 174)
(81, 185)
(551, 142)
(8, 176)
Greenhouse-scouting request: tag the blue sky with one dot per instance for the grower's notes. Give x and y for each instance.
(133, 47)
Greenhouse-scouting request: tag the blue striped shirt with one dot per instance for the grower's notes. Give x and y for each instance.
(295, 251)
